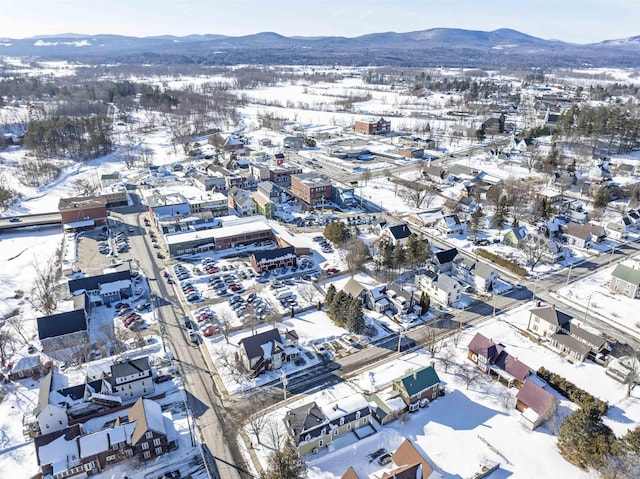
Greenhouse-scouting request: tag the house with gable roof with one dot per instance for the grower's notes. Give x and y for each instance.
(396, 235)
(440, 287)
(563, 335)
(442, 261)
(536, 404)
(64, 335)
(450, 225)
(492, 359)
(105, 288)
(130, 379)
(268, 350)
(315, 425)
(625, 280)
(515, 236)
(578, 235)
(478, 274)
(145, 432)
(355, 289)
(422, 383)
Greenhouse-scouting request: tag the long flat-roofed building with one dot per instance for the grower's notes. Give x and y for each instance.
(229, 235)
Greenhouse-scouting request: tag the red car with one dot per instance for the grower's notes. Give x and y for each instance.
(210, 331)
(203, 317)
(235, 287)
(211, 270)
(332, 270)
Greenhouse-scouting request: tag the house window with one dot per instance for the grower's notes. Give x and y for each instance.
(365, 420)
(358, 415)
(111, 458)
(147, 455)
(341, 421)
(157, 442)
(114, 447)
(158, 451)
(145, 446)
(434, 395)
(336, 432)
(148, 435)
(321, 443)
(536, 319)
(349, 427)
(307, 437)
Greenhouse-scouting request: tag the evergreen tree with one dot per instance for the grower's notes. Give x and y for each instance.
(328, 298)
(399, 255)
(425, 302)
(584, 440)
(416, 250)
(355, 317)
(285, 463)
(388, 260)
(602, 197)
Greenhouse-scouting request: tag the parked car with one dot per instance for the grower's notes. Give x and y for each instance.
(193, 337)
(162, 378)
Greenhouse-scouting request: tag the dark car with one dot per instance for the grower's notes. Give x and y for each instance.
(187, 322)
(162, 378)
(142, 307)
(159, 256)
(15, 219)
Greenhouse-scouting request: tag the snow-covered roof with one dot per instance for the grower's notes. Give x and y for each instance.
(343, 406)
(115, 287)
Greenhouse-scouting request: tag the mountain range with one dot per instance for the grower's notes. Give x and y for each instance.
(435, 47)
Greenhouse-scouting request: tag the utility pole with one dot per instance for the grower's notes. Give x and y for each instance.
(586, 311)
(400, 340)
(285, 381)
(613, 249)
(569, 273)
(495, 300)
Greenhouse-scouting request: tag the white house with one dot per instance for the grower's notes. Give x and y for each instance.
(396, 234)
(130, 379)
(440, 287)
(475, 273)
(450, 225)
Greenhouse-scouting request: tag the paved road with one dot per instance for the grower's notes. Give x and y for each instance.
(202, 399)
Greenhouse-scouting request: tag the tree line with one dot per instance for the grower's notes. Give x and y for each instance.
(83, 138)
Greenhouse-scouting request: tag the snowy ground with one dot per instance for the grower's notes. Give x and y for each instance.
(465, 418)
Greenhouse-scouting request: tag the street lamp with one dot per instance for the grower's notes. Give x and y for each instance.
(613, 249)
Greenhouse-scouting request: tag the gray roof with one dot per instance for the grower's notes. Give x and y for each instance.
(483, 270)
(304, 418)
(571, 343)
(91, 283)
(62, 323)
(253, 344)
(552, 315)
(625, 273)
(353, 287)
(128, 368)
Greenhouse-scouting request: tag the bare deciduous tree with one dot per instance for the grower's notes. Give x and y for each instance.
(6, 346)
(43, 295)
(469, 374)
(533, 253)
(448, 359)
(417, 194)
(431, 342)
(256, 410)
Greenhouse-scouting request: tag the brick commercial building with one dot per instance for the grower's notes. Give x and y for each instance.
(311, 188)
(273, 258)
(373, 127)
(80, 210)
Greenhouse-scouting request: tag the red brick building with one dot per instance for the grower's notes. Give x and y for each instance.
(273, 258)
(373, 127)
(311, 188)
(80, 209)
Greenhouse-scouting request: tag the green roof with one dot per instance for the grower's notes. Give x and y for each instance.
(419, 380)
(625, 273)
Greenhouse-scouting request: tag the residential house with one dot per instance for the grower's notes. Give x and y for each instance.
(376, 299)
(268, 350)
(355, 289)
(478, 274)
(266, 260)
(22, 367)
(264, 206)
(50, 417)
(578, 235)
(515, 237)
(536, 404)
(241, 202)
(271, 191)
(493, 123)
(442, 261)
(130, 379)
(436, 174)
(401, 300)
(619, 229)
(598, 233)
(104, 289)
(373, 127)
(552, 251)
(422, 383)
(552, 197)
(209, 182)
(625, 280)
(65, 335)
(450, 225)
(145, 432)
(440, 287)
(396, 235)
(315, 425)
(232, 143)
(563, 335)
(493, 359)
(410, 464)
(550, 229)
(526, 145)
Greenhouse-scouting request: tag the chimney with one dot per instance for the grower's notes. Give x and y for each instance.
(553, 306)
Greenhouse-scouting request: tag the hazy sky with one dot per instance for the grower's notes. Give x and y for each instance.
(581, 21)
